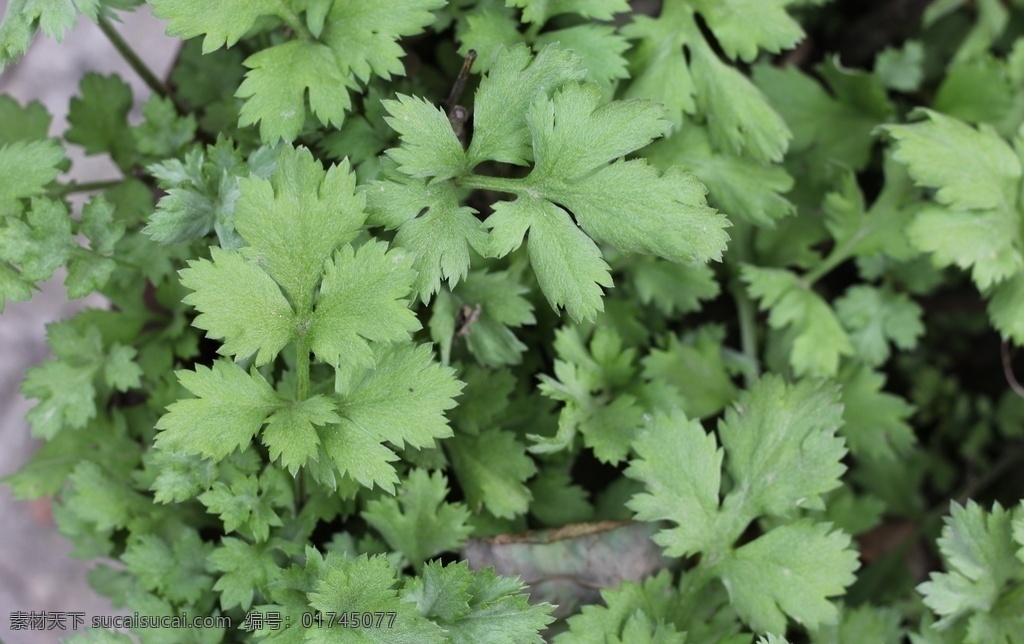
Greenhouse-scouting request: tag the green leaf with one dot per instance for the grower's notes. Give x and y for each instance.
(743, 27)
(491, 468)
(164, 132)
(978, 550)
(418, 522)
(791, 570)
(276, 86)
(659, 70)
(177, 571)
(630, 612)
(782, 446)
(567, 263)
(229, 410)
(818, 338)
(291, 434)
(41, 242)
(29, 123)
(479, 607)
(978, 184)
(432, 224)
(557, 500)
(99, 119)
(681, 465)
(224, 23)
(599, 47)
(101, 500)
(430, 147)
(542, 10)
(738, 185)
(874, 422)
(246, 567)
(829, 126)
(295, 220)
(515, 81)
(696, 370)
(361, 303)
(401, 400)
(240, 305)
(248, 504)
(24, 17)
(27, 166)
(741, 117)
(874, 317)
(367, 585)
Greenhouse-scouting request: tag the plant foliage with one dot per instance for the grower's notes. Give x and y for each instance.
(678, 264)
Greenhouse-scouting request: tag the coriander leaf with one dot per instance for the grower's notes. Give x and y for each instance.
(224, 23)
(792, 569)
(441, 236)
(901, 69)
(99, 119)
(976, 90)
(400, 400)
(276, 85)
(429, 145)
(239, 304)
(181, 476)
(246, 567)
(743, 27)
(515, 80)
(782, 446)
(970, 169)
(866, 622)
(247, 503)
(291, 431)
(164, 132)
(229, 410)
(178, 571)
(557, 500)
(295, 220)
(874, 317)
(567, 263)
(361, 302)
(27, 166)
(978, 549)
(99, 499)
(628, 612)
(1006, 308)
(367, 585)
(739, 116)
(659, 70)
(500, 304)
(41, 242)
(671, 287)
(681, 465)
(695, 369)
(29, 123)
(829, 126)
(487, 30)
(491, 468)
(818, 338)
(987, 242)
(874, 422)
(599, 47)
(67, 397)
(363, 35)
(418, 522)
(480, 607)
(737, 185)
(23, 17)
(542, 10)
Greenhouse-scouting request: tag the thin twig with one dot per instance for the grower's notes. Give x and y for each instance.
(460, 82)
(1011, 379)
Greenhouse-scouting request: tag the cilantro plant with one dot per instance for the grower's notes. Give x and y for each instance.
(505, 321)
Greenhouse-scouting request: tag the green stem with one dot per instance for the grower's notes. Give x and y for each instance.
(123, 48)
(86, 186)
(292, 19)
(302, 368)
(838, 255)
(498, 184)
(748, 332)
